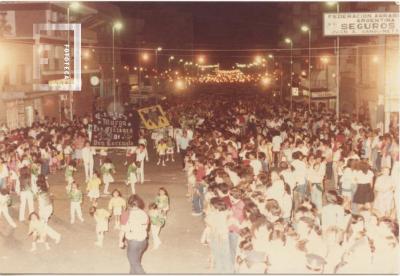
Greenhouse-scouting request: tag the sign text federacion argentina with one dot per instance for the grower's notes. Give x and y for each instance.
(361, 23)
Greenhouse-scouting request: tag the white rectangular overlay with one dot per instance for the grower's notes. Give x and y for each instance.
(74, 84)
(361, 23)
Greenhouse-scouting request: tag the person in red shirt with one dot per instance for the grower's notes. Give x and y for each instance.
(198, 194)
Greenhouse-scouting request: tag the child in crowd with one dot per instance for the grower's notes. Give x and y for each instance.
(170, 149)
(107, 169)
(93, 188)
(102, 217)
(157, 219)
(116, 205)
(132, 176)
(39, 231)
(161, 151)
(162, 201)
(76, 197)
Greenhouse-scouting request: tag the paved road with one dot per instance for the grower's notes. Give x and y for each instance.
(181, 251)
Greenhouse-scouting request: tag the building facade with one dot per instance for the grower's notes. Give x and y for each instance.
(22, 48)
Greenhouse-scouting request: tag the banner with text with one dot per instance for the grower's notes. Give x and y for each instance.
(153, 117)
(361, 23)
(114, 130)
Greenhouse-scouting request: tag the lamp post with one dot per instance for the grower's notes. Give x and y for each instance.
(73, 6)
(305, 28)
(116, 26)
(289, 41)
(200, 60)
(159, 49)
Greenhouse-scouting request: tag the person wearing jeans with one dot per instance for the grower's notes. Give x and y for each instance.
(198, 199)
(134, 224)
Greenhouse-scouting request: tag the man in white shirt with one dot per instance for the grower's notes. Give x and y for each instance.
(177, 136)
(183, 144)
(276, 147)
(300, 171)
(88, 161)
(141, 155)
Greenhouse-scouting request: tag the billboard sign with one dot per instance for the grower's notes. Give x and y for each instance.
(361, 23)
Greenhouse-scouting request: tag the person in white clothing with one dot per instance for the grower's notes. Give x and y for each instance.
(276, 147)
(384, 194)
(88, 160)
(141, 155)
(332, 214)
(255, 164)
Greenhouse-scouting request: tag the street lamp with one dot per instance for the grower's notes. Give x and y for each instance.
(159, 49)
(265, 81)
(115, 27)
(307, 29)
(325, 61)
(201, 59)
(145, 56)
(290, 42)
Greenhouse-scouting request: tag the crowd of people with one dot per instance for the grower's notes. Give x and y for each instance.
(280, 190)
(291, 192)
(30, 155)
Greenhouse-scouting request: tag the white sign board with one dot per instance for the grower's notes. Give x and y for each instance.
(295, 91)
(361, 23)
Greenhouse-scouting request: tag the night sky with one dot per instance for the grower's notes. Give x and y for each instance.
(218, 25)
(215, 25)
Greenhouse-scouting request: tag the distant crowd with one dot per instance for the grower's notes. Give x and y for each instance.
(280, 190)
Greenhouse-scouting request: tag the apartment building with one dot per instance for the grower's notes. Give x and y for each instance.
(22, 49)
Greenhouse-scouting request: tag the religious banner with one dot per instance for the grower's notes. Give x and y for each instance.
(153, 117)
(361, 23)
(114, 130)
